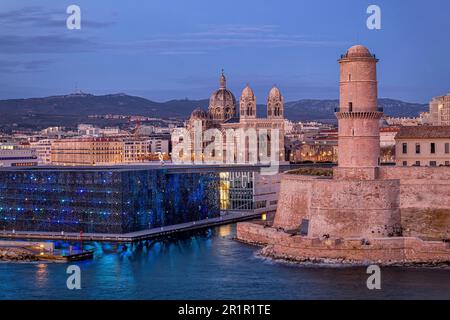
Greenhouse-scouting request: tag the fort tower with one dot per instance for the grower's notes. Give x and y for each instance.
(358, 115)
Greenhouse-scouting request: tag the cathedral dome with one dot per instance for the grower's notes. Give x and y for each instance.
(358, 51)
(222, 96)
(199, 114)
(222, 103)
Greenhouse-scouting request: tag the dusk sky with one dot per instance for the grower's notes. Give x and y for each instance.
(173, 49)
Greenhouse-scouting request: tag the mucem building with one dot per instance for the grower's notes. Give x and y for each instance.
(125, 199)
(104, 200)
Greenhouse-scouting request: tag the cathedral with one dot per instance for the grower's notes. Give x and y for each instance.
(223, 114)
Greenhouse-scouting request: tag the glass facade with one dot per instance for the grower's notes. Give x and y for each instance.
(102, 201)
(237, 191)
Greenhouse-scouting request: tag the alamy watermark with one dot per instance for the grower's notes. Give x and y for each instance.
(73, 21)
(374, 20)
(74, 280)
(374, 280)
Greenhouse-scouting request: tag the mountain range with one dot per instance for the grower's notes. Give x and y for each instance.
(69, 110)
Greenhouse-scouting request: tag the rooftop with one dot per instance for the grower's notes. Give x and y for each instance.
(424, 132)
(390, 129)
(358, 51)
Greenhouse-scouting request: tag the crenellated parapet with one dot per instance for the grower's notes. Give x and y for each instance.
(375, 115)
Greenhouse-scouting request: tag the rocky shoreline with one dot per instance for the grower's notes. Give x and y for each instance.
(17, 255)
(267, 252)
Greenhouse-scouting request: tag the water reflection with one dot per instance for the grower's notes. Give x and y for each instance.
(209, 265)
(41, 276)
(224, 231)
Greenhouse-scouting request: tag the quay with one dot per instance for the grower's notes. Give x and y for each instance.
(13, 250)
(168, 167)
(229, 218)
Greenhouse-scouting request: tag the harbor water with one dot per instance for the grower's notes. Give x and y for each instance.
(210, 265)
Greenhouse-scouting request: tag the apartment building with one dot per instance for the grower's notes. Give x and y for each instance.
(87, 151)
(423, 146)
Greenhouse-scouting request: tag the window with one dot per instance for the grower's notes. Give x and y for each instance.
(433, 164)
(405, 163)
(405, 148)
(447, 163)
(304, 227)
(350, 107)
(417, 148)
(349, 77)
(417, 164)
(261, 204)
(433, 147)
(447, 148)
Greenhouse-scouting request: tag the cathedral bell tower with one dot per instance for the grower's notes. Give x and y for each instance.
(275, 104)
(248, 104)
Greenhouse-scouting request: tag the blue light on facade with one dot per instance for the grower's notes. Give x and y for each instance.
(105, 201)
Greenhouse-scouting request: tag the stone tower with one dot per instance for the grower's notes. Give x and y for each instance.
(248, 104)
(275, 104)
(358, 115)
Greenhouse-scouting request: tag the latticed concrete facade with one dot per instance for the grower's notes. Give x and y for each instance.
(98, 200)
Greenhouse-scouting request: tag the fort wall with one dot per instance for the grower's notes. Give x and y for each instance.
(344, 208)
(424, 200)
(384, 251)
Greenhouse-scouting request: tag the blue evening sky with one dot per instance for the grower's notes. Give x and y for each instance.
(172, 49)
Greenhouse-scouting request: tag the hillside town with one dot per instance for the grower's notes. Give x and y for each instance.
(149, 139)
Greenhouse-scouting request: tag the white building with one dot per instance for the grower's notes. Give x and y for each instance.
(43, 150)
(110, 131)
(88, 130)
(12, 155)
(140, 150)
(423, 146)
(146, 130)
(440, 110)
(159, 145)
(53, 132)
(387, 136)
(136, 150)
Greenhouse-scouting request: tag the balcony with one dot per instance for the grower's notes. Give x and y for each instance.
(337, 109)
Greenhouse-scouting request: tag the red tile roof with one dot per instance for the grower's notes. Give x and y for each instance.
(424, 132)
